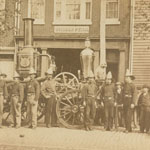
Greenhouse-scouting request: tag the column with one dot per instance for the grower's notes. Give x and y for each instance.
(121, 73)
(44, 64)
(102, 39)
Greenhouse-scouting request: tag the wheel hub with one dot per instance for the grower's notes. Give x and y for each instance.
(75, 109)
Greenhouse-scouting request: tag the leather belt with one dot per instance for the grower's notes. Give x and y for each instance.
(29, 94)
(108, 97)
(13, 95)
(126, 95)
(91, 96)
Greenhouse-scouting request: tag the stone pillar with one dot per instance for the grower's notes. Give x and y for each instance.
(121, 73)
(102, 67)
(44, 64)
(96, 59)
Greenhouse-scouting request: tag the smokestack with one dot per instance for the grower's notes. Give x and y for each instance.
(28, 32)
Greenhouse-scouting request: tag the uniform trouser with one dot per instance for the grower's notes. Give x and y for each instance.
(50, 116)
(144, 118)
(15, 111)
(128, 112)
(90, 111)
(100, 116)
(1, 108)
(32, 110)
(119, 116)
(109, 114)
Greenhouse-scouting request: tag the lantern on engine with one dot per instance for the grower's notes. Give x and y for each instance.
(87, 59)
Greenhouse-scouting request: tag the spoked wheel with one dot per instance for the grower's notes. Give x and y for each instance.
(6, 113)
(41, 108)
(66, 81)
(70, 110)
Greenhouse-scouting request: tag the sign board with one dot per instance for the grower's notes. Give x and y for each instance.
(71, 29)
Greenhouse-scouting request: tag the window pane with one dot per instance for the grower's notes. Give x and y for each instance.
(112, 9)
(73, 9)
(2, 14)
(38, 9)
(2, 4)
(2, 8)
(88, 10)
(58, 9)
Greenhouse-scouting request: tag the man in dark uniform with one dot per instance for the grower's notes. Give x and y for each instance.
(33, 92)
(49, 93)
(144, 103)
(129, 97)
(90, 90)
(3, 95)
(108, 94)
(17, 95)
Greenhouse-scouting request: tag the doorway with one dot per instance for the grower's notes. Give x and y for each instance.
(112, 58)
(67, 60)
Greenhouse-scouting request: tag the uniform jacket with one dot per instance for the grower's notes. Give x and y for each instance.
(17, 89)
(48, 88)
(129, 94)
(144, 100)
(33, 86)
(89, 90)
(3, 88)
(108, 92)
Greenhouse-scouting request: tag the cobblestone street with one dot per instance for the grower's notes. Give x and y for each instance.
(62, 139)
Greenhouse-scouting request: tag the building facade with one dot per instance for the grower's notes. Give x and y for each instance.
(141, 42)
(7, 32)
(61, 26)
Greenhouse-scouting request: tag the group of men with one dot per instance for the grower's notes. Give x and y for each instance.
(112, 96)
(17, 90)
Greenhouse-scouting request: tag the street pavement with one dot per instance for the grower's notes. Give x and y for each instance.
(44, 138)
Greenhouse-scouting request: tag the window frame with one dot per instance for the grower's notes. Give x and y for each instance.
(3, 8)
(81, 21)
(3, 15)
(113, 20)
(37, 21)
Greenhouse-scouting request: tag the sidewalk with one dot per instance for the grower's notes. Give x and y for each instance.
(61, 139)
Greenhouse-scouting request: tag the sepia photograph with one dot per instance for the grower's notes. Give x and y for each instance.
(74, 74)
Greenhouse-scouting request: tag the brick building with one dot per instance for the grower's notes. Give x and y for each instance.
(7, 32)
(61, 26)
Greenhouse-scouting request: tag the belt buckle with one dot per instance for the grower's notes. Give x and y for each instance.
(109, 97)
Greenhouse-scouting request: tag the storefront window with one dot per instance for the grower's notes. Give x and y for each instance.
(72, 11)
